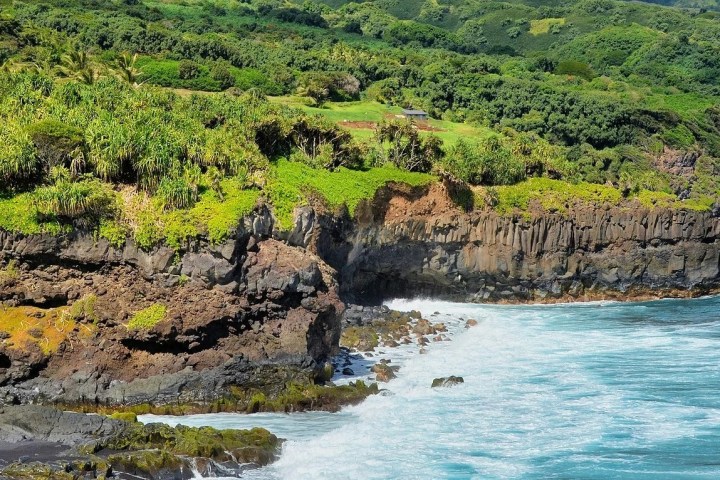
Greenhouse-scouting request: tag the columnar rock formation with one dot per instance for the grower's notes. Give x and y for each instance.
(403, 248)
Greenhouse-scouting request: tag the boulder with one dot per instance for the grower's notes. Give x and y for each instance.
(447, 381)
(383, 372)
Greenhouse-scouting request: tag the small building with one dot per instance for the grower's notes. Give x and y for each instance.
(415, 114)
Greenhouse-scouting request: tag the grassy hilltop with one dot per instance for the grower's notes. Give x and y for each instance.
(168, 119)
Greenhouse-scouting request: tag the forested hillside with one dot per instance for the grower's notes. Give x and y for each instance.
(167, 119)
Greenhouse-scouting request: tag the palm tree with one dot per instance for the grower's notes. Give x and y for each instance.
(77, 65)
(75, 61)
(125, 68)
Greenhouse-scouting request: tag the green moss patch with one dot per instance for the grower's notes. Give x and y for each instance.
(293, 184)
(556, 196)
(553, 195)
(147, 318)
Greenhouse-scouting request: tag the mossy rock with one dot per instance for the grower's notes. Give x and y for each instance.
(147, 318)
(32, 471)
(298, 397)
(362, 339)
(124, 416)
(146, 462)
(195, 442)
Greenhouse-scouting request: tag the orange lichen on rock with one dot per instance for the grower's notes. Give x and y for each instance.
(24, 326)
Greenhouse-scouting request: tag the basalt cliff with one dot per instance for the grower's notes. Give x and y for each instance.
(264, 308)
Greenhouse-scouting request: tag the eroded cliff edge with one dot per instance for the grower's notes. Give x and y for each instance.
(416, 242)
(263, 309)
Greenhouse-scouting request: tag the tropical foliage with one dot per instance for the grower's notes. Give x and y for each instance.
(167, 119)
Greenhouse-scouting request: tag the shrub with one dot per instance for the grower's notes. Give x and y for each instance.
(18, 162)
(9, 273)
(87, 199)
(578, 69)
(187, 70)
(222, 76)
(488, 163)
(404, 148)
(84, 309)
(57, 143)
(177, 192)
(679, 137)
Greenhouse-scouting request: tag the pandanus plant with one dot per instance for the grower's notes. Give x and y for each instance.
(126, 68)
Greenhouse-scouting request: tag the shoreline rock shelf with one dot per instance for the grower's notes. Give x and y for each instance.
(79, 445)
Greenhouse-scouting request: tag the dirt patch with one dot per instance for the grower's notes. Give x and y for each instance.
(421, 125)
(435, 202)
(677, 162)
(366, 125)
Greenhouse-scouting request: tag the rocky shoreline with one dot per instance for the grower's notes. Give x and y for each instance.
(42, 442)
(254, 324)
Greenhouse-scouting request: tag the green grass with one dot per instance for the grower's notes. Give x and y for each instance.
(650, 199)
(370, 111)
(339, 112)
(539, 27)
(553, 195)
(220, 218)
(211, 216)
(114, 232)
(556, 196)
(147, 318)
(293, 184)
(687, 105)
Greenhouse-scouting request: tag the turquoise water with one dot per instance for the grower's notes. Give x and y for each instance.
(584, 391)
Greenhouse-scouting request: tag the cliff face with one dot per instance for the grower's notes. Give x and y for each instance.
(417, 244)
(254, 311)
(264, 307)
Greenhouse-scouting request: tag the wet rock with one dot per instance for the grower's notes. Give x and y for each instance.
(447, 381)
(383, 373)
(348, 372)
(471, 323)
(423, 327)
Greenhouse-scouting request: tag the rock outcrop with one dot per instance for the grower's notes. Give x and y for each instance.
(252, 312)
(67, 445)
(415, 244)
(450, 381)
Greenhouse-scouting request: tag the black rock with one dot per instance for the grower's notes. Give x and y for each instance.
(447, 381)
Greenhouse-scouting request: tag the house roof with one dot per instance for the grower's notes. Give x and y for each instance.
(414, 112)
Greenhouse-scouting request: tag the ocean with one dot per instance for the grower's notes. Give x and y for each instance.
(573, 391)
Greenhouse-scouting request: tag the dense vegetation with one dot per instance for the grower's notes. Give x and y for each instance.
(166, 119)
